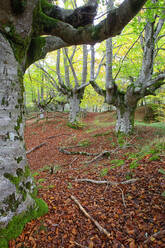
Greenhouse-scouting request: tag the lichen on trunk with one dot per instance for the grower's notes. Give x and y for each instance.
(125, 120)
(17, 194)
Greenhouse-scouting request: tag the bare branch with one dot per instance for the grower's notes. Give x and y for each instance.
(36, 147)
(98, 89)
(100, 228)
(107, 182)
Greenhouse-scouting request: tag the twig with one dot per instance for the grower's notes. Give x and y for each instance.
(36, 147)
(122, 193)
(79, 245)
(107, 182)
(73, 161)
(104, 153)
(100, 228)
(154, 236)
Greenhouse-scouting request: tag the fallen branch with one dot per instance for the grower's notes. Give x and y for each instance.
(54, 136)
(155, 235)
(36, 147)
(76, 153)
(104, 153)
(100, 228)
(106, 182)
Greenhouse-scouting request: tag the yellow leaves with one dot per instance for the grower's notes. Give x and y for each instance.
(74, 231)
(91, 244)
(152, 239)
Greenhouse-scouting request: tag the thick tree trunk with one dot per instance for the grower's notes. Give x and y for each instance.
(15, 182)
(125, 119)
(74, 102)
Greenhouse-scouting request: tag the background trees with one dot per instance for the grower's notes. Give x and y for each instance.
(125, 100)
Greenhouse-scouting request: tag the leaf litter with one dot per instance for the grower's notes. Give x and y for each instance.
(133, 214)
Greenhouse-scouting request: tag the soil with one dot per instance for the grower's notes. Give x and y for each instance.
(132, 213)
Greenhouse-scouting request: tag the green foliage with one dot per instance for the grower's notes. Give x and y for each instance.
(154, 112)
(162, 171)
(134, 164)
(117, 162)
(41, 180)
(121, 139)
(103, 172)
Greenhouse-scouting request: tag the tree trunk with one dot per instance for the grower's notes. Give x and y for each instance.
(15, 182)
(74, 102)
(125, 119)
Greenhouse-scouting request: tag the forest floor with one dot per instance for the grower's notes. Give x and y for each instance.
(126, 212)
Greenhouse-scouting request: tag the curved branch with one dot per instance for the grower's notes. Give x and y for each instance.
(116, 20)
(100, 91)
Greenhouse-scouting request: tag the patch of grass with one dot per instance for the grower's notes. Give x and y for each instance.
(159, 126)
(104, 172)
(91, 130)
(45, 168)
(50, 186)
(41, 180)
(101, 134)
(35, 174)
(128, 175)
(162, 171)
(134, 164)
(56, 168)
(85, 143)
(76, 125)
(70, 185)
(117, 163)
(103, 124)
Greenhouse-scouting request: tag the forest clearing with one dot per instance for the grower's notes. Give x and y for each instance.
(126, 199)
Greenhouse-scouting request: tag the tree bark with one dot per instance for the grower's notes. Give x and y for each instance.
(125, 119)
(15, 182)
(74, 102)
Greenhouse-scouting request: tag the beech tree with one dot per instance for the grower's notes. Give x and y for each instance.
(145, 84)
(28, 30)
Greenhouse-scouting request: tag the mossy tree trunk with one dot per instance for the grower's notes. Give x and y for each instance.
(125, 119)
(15, 179)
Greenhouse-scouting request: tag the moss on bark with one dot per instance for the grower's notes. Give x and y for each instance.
(16, 225)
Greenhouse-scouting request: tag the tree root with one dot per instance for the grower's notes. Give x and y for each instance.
(100, 228)
(36, 147)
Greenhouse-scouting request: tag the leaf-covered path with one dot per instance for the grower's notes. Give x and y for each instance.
(132, 213)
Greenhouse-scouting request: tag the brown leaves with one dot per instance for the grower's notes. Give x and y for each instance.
(65, 225)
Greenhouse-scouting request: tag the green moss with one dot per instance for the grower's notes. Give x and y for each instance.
(15, 227)
(45, 5)
(95, 31)
(35, 50)
(18, 159)
(20, 175)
